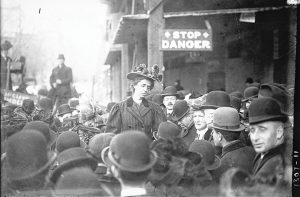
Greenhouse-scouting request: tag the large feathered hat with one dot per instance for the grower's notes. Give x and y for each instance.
(142, 71)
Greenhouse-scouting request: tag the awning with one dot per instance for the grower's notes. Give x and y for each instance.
(129, 27)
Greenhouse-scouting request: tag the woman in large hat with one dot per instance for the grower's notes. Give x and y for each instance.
(136, 112)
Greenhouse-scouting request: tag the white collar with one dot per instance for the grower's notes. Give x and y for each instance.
(201, 133)
(133, 191)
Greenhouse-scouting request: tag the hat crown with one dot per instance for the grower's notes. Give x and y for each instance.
(26, 153)
(263, 109)
(100, 141)
(205, 148)
(236, 94)
(61, 56)
(131, 148)
(39, 126)
(66, 140)
(6, 45)
(170, 90)
(217, 98)
(250, 92)
(63, 109)
(180, 108)
(142, 70)
(168, 129)
(226, 117)
(277, 92)
(45, 103)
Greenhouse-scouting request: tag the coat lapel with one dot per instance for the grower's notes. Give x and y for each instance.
(144, 108)
(131, 110)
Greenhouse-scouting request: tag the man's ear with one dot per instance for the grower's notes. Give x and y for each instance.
(279, 132)
(115, 171)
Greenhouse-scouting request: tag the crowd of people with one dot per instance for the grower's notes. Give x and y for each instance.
(166, 144)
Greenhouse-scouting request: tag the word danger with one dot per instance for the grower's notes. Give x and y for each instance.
(186, 40)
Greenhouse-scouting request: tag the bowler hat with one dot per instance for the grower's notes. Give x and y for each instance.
(73, 103)
(68, 139)
(180, 109)
(235, 102)
(250, 93)
(28, 105)
(98, 142)
(157, 98)
(142, 71)
(227, 119)
(236, 94)
(6, 45)
(79, 182)
(207, 151)
(265, 109)
(42, 127)
(279, 93)
(130, 151)
(61, 56)
(43, 92)
(170, 91)
(167, 130)
(27, 157)
(63, 109)
(45, 103)
(215, 99)
(70, 158)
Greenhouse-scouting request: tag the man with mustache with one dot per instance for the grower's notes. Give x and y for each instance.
(170, 96)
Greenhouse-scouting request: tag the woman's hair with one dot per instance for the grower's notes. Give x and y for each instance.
(137, 80)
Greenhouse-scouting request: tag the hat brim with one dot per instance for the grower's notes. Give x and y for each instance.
(259, 119)
(250, 98)
(67, 112)
(216, 164)
(178, 118)
(71, 164)
(241, 128)
(176, 94)
(132, 76)
(208, 107)
(153, 158)
(155, 135)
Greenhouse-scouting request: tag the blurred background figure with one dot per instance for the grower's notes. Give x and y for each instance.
(5, 65)
(178, 85)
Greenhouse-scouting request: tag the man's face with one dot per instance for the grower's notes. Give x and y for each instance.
(67, 115)
(60, 61)
(169, 102)
(142, 88)
(209, 116)
(199, 120)
(265, 136)
(216, 138)
(247, 104)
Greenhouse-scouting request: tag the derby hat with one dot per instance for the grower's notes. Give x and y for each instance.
(68, 139)
(167, 130)
(61, 56)
(71, 158)
(235, 102)
(27, 157)
(142, 71)
(180, 109)
(73, 103)
(227, 119)
(43, 128)
(80, 182)
(43, 92)
(279, 93)
(236, 94)
(45, 103)
(265, 109)
(6, 45)
(98, 142)
(63, 109)
(215, 99)
(207, 151)
(130, 151)
(170, 91)
(250, 93)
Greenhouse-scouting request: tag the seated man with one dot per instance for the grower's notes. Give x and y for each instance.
(226, 132)
(132, 160)
(269, 138)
